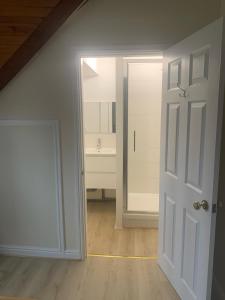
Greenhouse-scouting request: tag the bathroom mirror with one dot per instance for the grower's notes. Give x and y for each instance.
(100, 117)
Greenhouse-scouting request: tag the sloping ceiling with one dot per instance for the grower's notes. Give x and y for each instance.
(25, 25)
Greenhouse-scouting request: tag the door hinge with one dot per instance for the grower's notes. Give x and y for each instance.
(214, 208)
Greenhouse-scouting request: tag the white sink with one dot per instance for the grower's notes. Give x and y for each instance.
(100, 152)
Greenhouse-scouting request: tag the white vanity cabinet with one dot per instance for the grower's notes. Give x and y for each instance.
(100, 169)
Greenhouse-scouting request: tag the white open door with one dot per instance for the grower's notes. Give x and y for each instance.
(190, 143)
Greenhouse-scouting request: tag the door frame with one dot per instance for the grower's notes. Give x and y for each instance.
(79, 53)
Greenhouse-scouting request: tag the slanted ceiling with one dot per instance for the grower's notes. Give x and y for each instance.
(25, 26)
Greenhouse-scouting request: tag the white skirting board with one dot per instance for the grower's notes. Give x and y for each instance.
(146, 220)
(39, 252)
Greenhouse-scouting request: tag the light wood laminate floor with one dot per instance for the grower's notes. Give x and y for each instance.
(103, 238)
(96, 278)
(13, 298)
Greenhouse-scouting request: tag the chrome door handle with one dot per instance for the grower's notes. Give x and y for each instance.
(204, 204)
(134, 140)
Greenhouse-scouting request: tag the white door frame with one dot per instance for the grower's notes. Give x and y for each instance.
(117, 51)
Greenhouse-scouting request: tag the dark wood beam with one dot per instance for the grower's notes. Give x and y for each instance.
(29, 3)
(37, 39)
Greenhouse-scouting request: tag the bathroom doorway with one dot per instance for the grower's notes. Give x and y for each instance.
(99, 115)
(121, 104)
(192, 101)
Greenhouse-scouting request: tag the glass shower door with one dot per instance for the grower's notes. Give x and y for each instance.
(143, 109)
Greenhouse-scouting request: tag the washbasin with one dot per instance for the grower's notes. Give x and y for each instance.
(100, 152)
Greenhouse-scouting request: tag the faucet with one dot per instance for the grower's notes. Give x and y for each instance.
(99, 144)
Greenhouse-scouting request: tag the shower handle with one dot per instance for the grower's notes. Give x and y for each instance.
(134, 140)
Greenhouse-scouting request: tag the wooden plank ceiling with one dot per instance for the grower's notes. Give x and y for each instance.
(25, 25)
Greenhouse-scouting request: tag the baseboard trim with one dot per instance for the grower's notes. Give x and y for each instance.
(39, 252)
(217, 291)
(72, 254)
(149, 220)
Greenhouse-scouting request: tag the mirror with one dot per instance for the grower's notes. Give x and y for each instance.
(100, 117)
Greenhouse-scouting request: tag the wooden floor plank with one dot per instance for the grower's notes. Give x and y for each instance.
(14, 298)
(99, 278)
(103, 238)
(96, 278)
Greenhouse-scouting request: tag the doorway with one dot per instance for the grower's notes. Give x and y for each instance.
(121, 99)
(192, 102)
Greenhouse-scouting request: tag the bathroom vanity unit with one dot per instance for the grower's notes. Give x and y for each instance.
(100, 166)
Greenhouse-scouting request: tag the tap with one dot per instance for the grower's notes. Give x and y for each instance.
(99, 144)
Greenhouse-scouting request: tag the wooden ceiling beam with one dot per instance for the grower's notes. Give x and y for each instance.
(9, 10)
(12, 40)
(31, 3)
(37, 39)
(20, 19)
(16, 29)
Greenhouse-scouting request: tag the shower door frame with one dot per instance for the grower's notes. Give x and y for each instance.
(125, 128)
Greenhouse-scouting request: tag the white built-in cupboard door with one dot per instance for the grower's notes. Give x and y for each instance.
(191, 118)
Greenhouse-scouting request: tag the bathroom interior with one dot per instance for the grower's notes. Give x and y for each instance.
(121, 100)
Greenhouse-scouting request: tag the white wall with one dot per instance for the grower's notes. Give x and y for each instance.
(30, 186)
(102, 86)
(45, 88)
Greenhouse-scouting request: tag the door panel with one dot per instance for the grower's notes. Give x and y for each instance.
(199, 62)
(169, 229)
(195, 144)
(173, 111)
(190, 251)
(193, 86)
(174, 74)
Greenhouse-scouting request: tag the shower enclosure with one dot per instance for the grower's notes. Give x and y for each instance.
(142, 115)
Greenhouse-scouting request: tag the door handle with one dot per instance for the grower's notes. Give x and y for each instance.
(204, 204)
(134, 140)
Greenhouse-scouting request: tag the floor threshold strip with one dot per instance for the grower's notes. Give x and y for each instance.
(122, 256)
